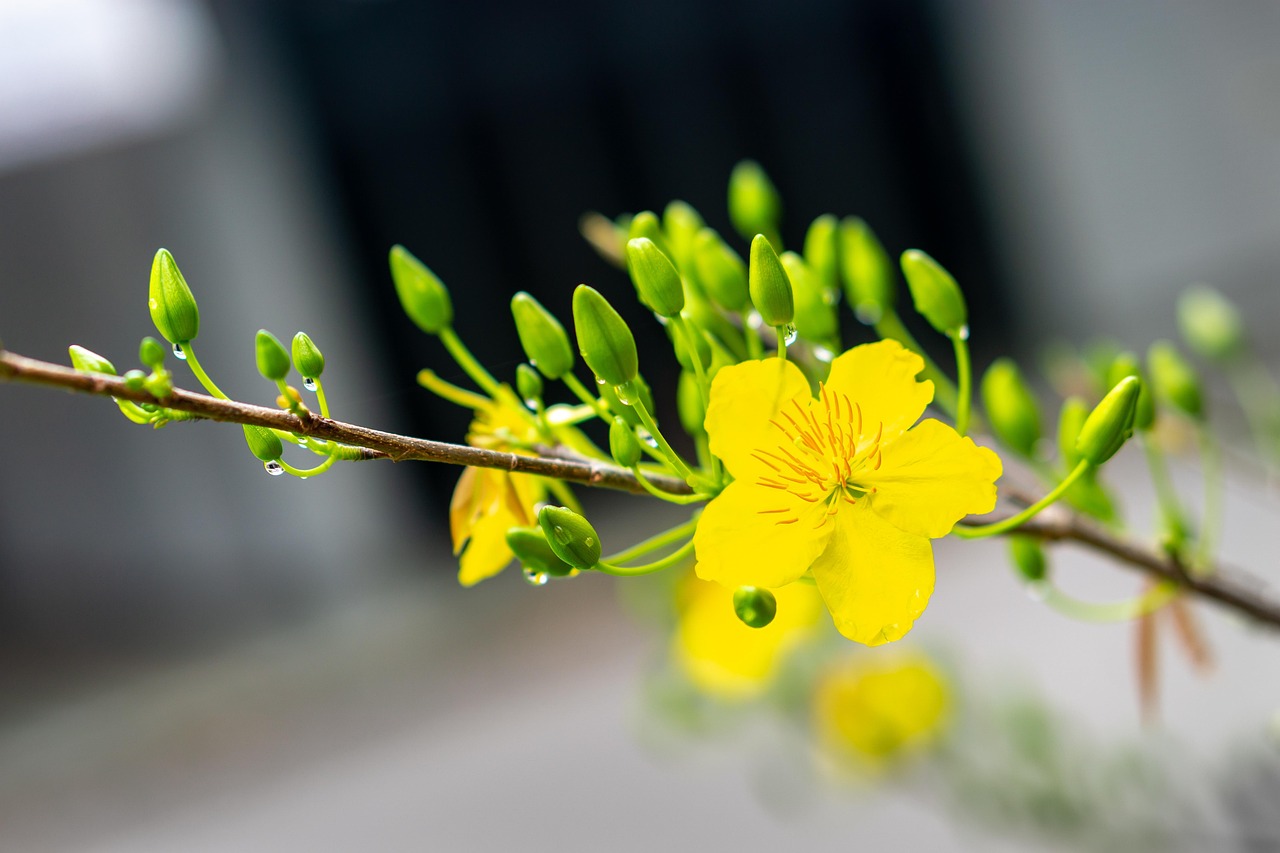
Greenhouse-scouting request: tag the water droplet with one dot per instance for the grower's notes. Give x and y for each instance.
(625, 394)
(964, 332)
(562, 535)
(274, 468)
(531, 402)
(589, 541)
(789, 334)
(1038, 591)
(868, 315)
(309, 383)
(823, 354)
(647, 437)
(533, 362)
(599, 381)
(302, 441)
(152, 304)
(535, 578)
(178, 352)
(754, 320)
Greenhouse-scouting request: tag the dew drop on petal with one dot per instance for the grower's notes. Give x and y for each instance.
(274, 468)
(535, 578)
(309, 383)
(789, 334)
(178, 352)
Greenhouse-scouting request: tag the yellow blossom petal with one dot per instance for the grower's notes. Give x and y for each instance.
(875, 578)
(487, 553)
(881, 379)
(930, 478)
(744, 399)
(752, 535)
(462, 507)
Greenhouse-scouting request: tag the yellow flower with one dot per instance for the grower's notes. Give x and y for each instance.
(724, 657)
(874, 712)
(841, 486)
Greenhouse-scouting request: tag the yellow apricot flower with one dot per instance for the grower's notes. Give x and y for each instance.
(724, 657)
(841, 486)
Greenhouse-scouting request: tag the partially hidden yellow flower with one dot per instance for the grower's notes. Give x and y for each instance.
(870, 713)
(725, 658)
(842, 486)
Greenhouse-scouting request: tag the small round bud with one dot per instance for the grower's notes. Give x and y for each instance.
(173, 308)
(534, 553)
(1011, 407)
(1127, 364)
(528, 383)
(623, 444)
(655, 277)
(755, 606)
(868, 273)
(263, 443)
(307, 357)
(754, 204)
(272, 358)
(544, 340)
(935, 293)
(1028, 557)
(1175, 381)
(1210, 324)
(769, 285)
(681, 224)
(134, 380)
(151, 353)
(570, 536)
(822, 251)
(1110, 424)
(815, 318)
(422, 295)
(89, 361)
(604, 340)
(722, 273)
(689, 404)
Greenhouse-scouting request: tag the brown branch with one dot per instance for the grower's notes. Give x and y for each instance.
(1230, 588)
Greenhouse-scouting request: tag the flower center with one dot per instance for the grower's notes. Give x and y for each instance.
(820, 454)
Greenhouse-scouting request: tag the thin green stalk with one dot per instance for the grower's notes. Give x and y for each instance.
(676, 558)
(666, 496)
(467, 361)
(944, 390)
(1211, 524)
(201, 376)
(600, 407)
(1166, 495)
(755, 347)
(1112, 611)
(782, 342)
(964, 375)
(685, 330)
(653, 543)
(320, 398)
(965, 531)
(307, 472)
(673, 459)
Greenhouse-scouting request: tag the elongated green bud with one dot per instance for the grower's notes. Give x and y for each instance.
(867, 270)
(815, 314)
(681, 224)
(1127, 364)
(655, 277)
(1110, 424)
(645, 224)
(307, 358)
(1028, 557)
(570, 536)
(722, 273)
(262, 442)
(544, 340)
(1210, 324)
(151, 353)
(173, 308)
(528, 383)
(689, 404)
(422, 295)
(623, 444)
(769, 285)
(1175, 381)
(272, 357)
(1070, 421)
(604, 340)
(822, 251)
(1011, 407)
(935, 293)
(755, 606)
(754, 204)
(534, 553)
(89, 361)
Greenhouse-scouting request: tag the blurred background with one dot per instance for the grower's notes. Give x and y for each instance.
(197, 656)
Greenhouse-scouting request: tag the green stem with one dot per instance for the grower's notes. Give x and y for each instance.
(944, 390)
(781, 332)
(673, 459)
(307, 472)
(965, 531)
(964, 375)
(320, 398)
(1166, 495)
(685, 330)
(600, 407)
(445, 390)
(1112, 611)
(467, 361)
(201, 376)
(666, 496)
(653, 543)
(755, 347)
(675, 558)
(1211, 524)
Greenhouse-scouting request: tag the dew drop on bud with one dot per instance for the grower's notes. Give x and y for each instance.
(178, 352)
(274, 468)
(534, 578)
(647, 437)
(626, 395)
(562, 535)
(789, 334)
(823, 354)
(309, 383)
(599, 381)
(963, 334)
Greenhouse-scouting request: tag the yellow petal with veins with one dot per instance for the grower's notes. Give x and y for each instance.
(744, 399)
(881, 379)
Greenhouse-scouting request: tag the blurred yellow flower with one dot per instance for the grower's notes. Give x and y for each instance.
(872, 712)
(841, 485)
(725, 658)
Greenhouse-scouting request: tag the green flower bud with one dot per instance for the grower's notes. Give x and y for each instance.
(755, 606)
(623, 444)
(604, 340)
(272, 358)
(935, 293)
(1110, 424)
(681, 224)
(422, 295)
(134, 380)
(868, 273)
(263, 443)
(754, 204)
(689, 404)
(1011, 407)
(159, 384)
(173, 307)
(544, 340)
(655, 277)
(528, 383)
(721, 271)
(1127, 364)
(769, 285)
(534, 553)
(307, 357)
(151, 353)
(1070, 421)
(822, 252)
(1028, 557)
(1210, 324)
(1175, 381)
(645, 224)
(816, 318)
(89, 361)
(570, 536)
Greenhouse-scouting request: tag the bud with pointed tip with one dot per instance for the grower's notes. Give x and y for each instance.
(422, 295)
(822, 251)
(769, 285)
(1110, 424)
(935, 293)
(815, 314)
(1210, 324)
(89, 361)
(646, 224)
(623, 444)
(721, 271)
(263, 443)
(755, 606)
(271, 356)
(528, 383)
(1011, 407)
(655, 277)
(754, 204)
(534, 552)
(307, 358)
(173, 307)
(1127, 364)
(867, 270)
(604, 339)
(570, 536)
(542, 337)
(1175, 381)
(681, 224)
(1028, 557)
